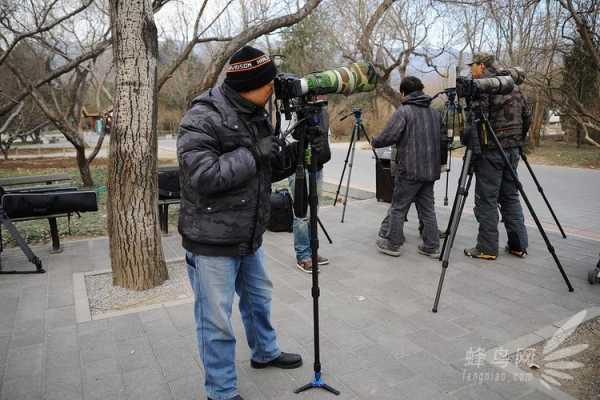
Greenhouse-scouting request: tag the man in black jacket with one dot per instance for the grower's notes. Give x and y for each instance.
(228, 160)
(414, 132)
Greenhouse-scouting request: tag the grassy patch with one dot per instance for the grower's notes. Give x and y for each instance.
(566, 154)
(562, 154)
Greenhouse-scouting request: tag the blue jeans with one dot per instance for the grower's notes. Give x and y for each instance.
(301, 226)
(214, 281)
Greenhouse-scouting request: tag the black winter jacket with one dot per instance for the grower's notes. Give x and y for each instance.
(227, 163)
(414, 132)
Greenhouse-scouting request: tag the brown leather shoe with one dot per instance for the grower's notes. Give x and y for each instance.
(305, 266)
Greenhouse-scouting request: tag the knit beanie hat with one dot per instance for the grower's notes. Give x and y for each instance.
(249, 69)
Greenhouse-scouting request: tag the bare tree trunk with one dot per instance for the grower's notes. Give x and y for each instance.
(135, 243)
(537, 122)
(84, 167)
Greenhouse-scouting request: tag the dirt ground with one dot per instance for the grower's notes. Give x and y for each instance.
(584, 383)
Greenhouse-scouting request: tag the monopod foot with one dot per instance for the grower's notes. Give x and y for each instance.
(317, 383)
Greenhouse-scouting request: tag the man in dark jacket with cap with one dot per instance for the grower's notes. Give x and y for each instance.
(509, 118)
(414, 132)
(228, 160)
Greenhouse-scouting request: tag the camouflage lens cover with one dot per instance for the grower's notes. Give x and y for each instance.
(355, 78)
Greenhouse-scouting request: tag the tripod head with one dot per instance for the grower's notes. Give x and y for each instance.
(356, 111)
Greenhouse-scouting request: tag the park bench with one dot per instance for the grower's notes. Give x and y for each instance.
(48, 197)
(168, 193)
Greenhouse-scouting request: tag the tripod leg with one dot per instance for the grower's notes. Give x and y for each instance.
(528, 203)
(352, 151)
(463, 171)
(303, 388)
(446, 192)
(352, 139)
(364, 132)
(459, 204)
(330, 389)
(324, 230)
(5, 220)
(541, 190)
(314, 246)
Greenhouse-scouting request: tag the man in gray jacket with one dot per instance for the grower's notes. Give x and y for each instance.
(414, 132)
(228, 160)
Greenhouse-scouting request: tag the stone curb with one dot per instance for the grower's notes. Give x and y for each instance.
(82, 305)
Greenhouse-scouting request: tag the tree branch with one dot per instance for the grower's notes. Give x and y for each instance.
(68, 67)
(584, 31)
(248, 35)
(41, 29)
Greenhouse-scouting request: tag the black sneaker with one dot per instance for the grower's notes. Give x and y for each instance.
(429, 253)
(384, 246)
(238, 397)
(284, 361)
(476, 253)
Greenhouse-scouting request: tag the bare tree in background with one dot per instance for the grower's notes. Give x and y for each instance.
(389, 34)
(61, 99)
(252, 32)
(582, 31)
(23, 123)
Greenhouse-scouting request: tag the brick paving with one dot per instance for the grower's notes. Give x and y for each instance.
(379, 337)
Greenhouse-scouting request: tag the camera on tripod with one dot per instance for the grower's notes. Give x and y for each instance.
(501, 84)
(295, 94)
(299, 96)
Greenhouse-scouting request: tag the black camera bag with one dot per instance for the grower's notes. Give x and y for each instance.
(282, 211)
(39, 204)
(168, 184)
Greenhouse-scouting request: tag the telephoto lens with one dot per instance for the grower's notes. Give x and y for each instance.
(354, 78)
(496, 85)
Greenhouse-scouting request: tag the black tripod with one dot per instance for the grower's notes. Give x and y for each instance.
(357, 131)
(300, 209)
(466, 176)
(541, 190)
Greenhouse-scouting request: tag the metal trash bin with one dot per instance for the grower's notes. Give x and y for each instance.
(384, 184)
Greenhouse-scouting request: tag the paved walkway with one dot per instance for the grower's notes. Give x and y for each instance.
(572, 192)
(379, 337)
